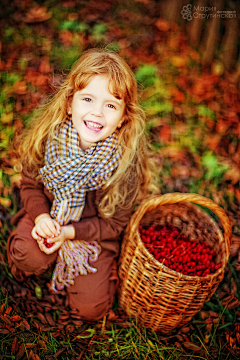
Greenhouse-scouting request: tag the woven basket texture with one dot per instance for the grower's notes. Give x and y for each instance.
(162, 299)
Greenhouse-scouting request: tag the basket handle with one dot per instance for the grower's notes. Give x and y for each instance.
(173, 198)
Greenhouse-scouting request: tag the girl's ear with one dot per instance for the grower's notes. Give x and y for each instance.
(69, 107)
(121, 121)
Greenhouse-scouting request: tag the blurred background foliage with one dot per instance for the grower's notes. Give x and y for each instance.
(192, 104)
(191, 97)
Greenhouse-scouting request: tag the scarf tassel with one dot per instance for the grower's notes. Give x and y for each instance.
(73, 260)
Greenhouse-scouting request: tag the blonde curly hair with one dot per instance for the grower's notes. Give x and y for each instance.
(133, 179)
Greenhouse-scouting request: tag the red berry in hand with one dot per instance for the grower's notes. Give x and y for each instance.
(48, 245)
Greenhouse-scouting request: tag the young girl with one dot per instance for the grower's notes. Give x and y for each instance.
(85, 165)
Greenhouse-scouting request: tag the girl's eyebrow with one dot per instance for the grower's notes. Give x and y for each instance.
(111, 101)
(85, 94)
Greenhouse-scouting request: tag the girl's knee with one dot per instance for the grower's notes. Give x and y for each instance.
(93, 294)
(91, 310)
(21, 254)
(19, 250)
(26, 255)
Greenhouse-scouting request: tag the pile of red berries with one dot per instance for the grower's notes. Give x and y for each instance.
(174, 250)
(48, 245)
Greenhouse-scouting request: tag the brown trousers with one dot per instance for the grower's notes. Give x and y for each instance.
(91, 294)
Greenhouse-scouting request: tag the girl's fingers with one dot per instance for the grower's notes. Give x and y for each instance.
(41, 246)
(58, 227)
(52, 227)
(35, 235)
(52, 240)
(42, 232)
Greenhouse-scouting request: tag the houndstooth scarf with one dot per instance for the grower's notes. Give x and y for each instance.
(69, 173)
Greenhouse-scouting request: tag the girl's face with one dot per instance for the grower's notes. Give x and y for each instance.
(96, 113)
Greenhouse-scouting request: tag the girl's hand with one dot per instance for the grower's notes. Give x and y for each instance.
(67, 232)
(45, 227)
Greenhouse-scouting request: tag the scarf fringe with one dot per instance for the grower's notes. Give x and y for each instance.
(73, 260)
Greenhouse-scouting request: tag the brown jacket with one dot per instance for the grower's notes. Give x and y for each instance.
(36, 199)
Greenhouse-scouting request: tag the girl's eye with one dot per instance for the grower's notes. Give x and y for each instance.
(111, 106)
(87, 99)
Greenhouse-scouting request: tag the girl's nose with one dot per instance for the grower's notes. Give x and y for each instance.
(97, 110)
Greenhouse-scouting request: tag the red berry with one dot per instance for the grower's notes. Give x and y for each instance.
(48, 245)
(177, 252)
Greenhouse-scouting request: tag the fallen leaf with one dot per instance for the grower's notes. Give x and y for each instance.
(50, 319)
(42, 344)
(162, 25)
(186, 329)
(21, 352)
(204, 314)
(233, 305)
(87, 334)
(233, 287)
(16, 179)
(2, 258)
(60, 351)
(23, 292)
(38, 291)
(235, 245)
(231, 341)
(37, 14)
(178, 96)
(34, 356)
(70, 328)
(7, 118)
(2, 307)
(26, 324)
(20, 88)
(111, 315)
(206, 338)
(8, 311)
(178, 61)
(45, 67)
(6, 320)
(237, 193)
(66, 37)
(232, 175)
(191, 346)
(165, 134)
(15, 345)
(213, 313)
(42, 318)
(77, 322)
(217, 68)
(124, 324)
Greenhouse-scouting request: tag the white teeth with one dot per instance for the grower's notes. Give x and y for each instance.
(94, 125)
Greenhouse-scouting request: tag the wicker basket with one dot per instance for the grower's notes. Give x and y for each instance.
(160, 298)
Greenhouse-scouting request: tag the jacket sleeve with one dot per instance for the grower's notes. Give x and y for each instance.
(98, 228)
(33, 198)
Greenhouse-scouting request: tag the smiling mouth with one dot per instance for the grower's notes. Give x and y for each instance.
(93, 126)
